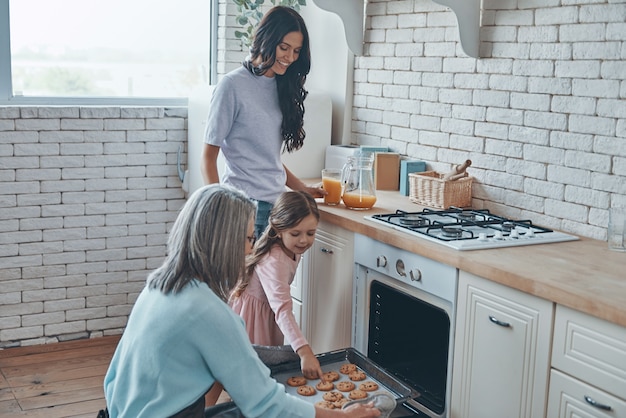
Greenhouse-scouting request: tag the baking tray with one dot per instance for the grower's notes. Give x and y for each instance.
(331, 361)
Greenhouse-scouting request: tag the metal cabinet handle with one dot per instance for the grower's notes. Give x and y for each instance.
(595, 404)
(498, 322)
(326, 250)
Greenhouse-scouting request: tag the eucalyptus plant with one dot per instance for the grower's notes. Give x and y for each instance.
(250, 14)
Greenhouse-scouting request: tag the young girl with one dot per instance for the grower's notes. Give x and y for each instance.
(264, 301)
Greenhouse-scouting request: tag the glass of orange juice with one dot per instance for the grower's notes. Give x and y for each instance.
(331, 181)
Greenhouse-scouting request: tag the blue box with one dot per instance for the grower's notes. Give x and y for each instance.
(406, 167)
(372, 149)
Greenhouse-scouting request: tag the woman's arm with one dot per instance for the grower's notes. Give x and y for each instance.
(294, 183)
(208, 165)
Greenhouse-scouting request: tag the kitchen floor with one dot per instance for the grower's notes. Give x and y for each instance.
(62, 380)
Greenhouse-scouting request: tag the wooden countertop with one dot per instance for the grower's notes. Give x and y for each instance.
(584, 275)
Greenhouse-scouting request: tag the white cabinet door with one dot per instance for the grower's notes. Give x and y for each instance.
(571, 398)
(502, 351)
(328, 292)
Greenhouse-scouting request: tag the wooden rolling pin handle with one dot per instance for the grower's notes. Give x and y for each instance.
(458, 169)
(458, 176)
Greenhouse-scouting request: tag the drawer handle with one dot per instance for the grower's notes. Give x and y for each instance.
(595, 403)
(326, 250)
(498, 322)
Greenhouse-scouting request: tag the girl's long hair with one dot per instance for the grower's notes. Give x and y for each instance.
(276, 23)
(288, 211)
(207, 242)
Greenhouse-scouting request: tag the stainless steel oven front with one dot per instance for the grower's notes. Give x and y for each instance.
(403, 320)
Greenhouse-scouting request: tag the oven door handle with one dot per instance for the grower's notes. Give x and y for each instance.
(498, 322)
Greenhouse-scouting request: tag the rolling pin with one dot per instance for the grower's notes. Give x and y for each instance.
(457, 170)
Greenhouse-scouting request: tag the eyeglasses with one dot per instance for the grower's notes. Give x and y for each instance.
(251, 239)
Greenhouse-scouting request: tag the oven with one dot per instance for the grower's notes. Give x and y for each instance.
(403, 320)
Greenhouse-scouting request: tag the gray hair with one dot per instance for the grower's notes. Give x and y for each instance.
(207, 242)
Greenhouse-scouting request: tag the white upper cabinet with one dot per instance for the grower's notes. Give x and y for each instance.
(352, 13)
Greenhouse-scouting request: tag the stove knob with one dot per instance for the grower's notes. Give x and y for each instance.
(514, 234)
(400, 268)
(498, 235)
(381, 261)
(416, 275)
(530, 234)
(482, 236)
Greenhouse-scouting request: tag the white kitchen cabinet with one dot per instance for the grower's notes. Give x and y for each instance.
(327, 289)
(502, 351)
(588, 377)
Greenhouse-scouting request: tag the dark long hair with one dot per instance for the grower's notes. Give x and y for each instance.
(276, 23)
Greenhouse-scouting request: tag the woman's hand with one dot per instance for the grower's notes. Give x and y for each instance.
(309, 364)
(361, 410)
(315, 191)
(358, 410)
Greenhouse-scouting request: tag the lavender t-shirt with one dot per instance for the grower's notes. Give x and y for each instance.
(244, 121)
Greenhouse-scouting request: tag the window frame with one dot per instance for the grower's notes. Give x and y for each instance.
(6, 78)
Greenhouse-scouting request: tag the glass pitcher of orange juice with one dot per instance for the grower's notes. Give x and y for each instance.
(358, 180)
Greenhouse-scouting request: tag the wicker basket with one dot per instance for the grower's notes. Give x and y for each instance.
(428, 189)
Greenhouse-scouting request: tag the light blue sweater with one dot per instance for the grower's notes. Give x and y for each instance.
(176, 346)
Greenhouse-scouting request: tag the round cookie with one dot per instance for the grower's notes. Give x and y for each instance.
(333, 396)
(325, 405)
(341, 402)
(347, 368)
(330, 376)
(368, 386)
(296, 381)
(325, 386)
(358, 394)
(345, 386)
(306, 390)
(357, 375)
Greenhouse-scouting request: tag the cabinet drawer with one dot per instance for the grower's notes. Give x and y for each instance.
(590, 349)
(571, 398)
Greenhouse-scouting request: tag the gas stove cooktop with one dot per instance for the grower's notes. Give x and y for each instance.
(470, 229)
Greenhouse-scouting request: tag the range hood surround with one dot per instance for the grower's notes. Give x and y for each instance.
(352, 13)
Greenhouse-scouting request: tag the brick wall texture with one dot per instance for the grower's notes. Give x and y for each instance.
(87, 194)
(87, 197)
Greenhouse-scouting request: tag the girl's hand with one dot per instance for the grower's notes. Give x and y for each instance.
(309, 364)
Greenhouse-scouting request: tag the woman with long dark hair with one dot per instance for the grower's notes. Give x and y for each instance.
(257, 112)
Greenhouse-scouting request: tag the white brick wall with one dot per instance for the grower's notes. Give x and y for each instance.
(542, 113)
(87, 196)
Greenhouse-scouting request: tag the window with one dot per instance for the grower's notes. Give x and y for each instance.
(105, 51)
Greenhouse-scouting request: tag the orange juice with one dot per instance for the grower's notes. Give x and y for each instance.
(333, 187)
(356, 201)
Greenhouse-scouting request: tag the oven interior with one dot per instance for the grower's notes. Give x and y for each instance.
(410, 339)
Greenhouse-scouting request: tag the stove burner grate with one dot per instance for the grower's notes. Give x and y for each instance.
(451, 232)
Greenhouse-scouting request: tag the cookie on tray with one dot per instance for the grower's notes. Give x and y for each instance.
(368, 386)
(326, 405)
(296, 381)
(357, 375)
(330, 376)
(345, 386)
(347, 368)
(358, 394)
(306, 390)
(341, 402)
(333, 396)
(325, 386)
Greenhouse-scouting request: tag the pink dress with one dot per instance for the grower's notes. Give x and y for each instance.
(265, 305)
